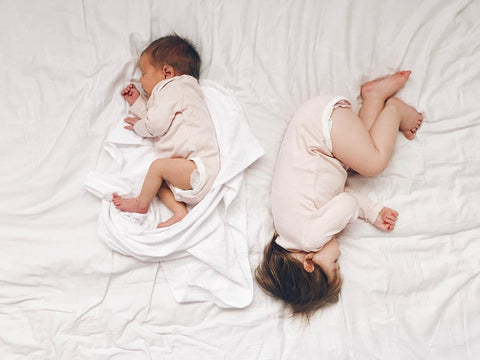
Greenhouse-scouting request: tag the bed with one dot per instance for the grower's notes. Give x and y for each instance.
(411, 294)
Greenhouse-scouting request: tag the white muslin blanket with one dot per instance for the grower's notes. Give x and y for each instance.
(204, 256)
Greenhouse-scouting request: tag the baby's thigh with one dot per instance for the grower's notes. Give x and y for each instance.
(351, 142)
(176, 171)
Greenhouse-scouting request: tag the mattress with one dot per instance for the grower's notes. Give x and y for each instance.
(409, 294)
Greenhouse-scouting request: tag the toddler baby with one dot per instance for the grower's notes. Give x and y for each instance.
(310, 203)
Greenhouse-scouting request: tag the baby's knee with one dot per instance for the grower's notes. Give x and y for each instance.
(157, 167)
(374, 167)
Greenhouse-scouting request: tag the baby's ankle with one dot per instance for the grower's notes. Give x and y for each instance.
(180, 211)
(142, 204)
(393, 101)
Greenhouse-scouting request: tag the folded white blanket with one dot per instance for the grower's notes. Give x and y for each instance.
(204, 256)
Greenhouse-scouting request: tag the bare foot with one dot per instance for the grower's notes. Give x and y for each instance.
(386, 219)
(129, 204)
(176, 217)
(411, 119)
(382, 89)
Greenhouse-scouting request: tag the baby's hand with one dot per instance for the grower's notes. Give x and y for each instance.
(131, 121)
(130, 94)
(386, 219)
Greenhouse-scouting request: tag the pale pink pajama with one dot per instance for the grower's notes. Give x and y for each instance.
(177, 117)
(310, 203)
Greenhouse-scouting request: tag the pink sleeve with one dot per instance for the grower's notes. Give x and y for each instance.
(167, 103)
(368, 209)
(329, 220)
(139, 107)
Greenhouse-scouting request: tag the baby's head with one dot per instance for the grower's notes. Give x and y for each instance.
(167, 57)
(298, 279)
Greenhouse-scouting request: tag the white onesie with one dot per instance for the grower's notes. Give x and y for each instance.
(177, 117)
(310, 203)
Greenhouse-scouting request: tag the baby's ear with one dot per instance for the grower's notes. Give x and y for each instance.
(168, 71)
(308, 264)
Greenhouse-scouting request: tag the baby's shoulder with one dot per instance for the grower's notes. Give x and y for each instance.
(188, 83)
(190, 89)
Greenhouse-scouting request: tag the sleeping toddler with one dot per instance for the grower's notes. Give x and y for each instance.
(175, 115)
(310, 204)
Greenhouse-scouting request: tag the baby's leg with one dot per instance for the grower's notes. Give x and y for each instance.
(375, 93)
(369, 152)
(178, 208)
(176, 171)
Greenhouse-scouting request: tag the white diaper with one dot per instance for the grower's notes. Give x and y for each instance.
(336, 102)
(198, 179)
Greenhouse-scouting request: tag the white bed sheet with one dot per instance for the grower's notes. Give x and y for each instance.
(412, 294)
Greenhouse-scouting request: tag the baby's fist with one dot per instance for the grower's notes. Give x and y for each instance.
(130, 94)
(386, 219)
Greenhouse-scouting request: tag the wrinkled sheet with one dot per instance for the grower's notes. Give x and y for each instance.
(411, 294)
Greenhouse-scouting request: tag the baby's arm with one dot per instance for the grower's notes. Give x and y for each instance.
(137, 103)
(329, 220)
(381, 217)
(368, 209)
(156, 120)
(130, 94)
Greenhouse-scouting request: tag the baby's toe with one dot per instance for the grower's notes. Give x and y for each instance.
(409, 135)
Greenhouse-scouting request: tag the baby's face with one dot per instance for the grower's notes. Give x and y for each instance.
(151, 75)
(327, 257)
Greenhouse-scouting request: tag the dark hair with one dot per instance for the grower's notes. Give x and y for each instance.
(177, 52)
(282, 276)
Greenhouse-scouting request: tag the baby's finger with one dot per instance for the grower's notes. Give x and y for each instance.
(128, 127)
(389, 221)
(391, 217)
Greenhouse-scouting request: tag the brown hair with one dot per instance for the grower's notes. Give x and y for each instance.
(282, 276)
(177, 52)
